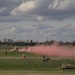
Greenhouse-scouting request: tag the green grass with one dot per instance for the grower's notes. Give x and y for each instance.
(34, 64)
(12, 64)
(17, 54)
(21, 72)
(2, 47)
(14, 54)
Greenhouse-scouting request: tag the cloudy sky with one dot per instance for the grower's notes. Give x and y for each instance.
(37, 19)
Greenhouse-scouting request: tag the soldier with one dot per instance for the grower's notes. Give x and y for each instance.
(17, 49)
(45, 59)
(23, 56)
(5, 52)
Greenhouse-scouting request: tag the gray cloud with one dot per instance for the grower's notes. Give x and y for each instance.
(38, 31)
(52, 9)
(37, 19)
(17, 10)
(9, 5)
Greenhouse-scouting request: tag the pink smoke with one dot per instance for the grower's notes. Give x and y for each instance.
(52, 50)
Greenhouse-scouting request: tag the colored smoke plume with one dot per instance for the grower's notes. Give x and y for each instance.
(51, 50)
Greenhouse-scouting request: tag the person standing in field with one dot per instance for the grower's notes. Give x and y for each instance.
(17, 49)
(5, 52)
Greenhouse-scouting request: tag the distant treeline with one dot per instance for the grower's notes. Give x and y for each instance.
(32, 43)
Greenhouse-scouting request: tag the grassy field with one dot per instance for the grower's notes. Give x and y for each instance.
(21, 72)
(12, 64)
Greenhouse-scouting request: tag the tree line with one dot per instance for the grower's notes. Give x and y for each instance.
(32, 43)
